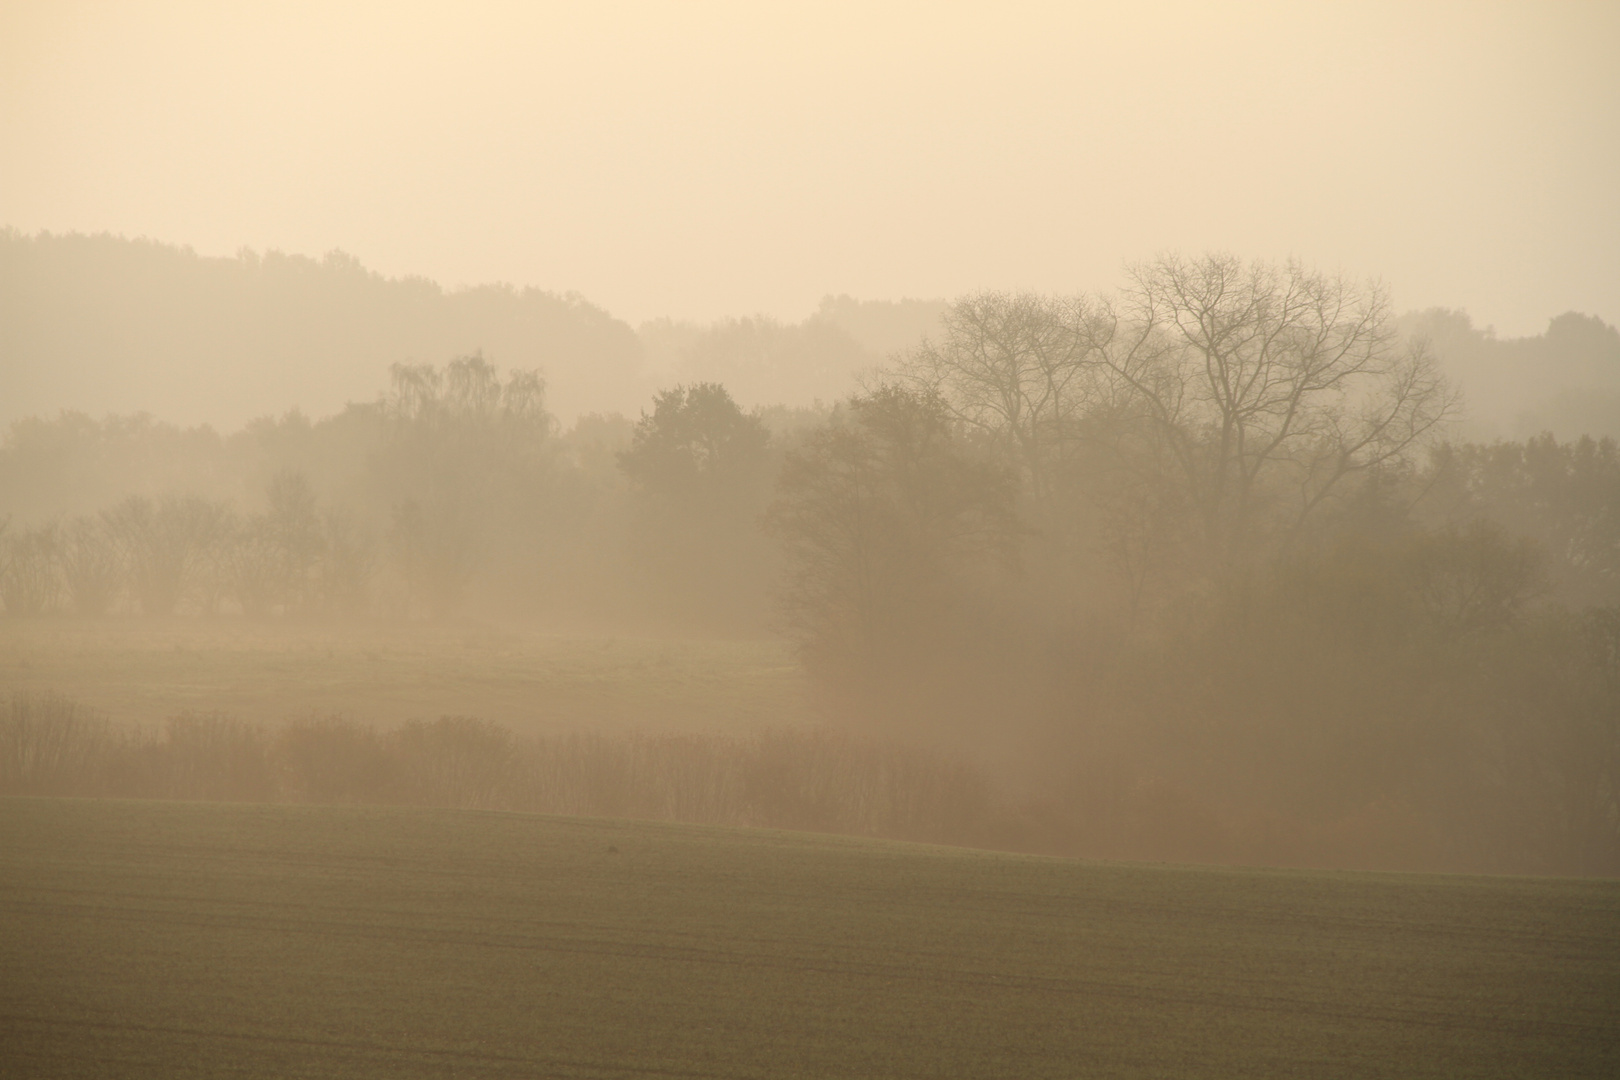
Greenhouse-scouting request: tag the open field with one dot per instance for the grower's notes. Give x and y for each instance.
(142, 670)
(208, 940)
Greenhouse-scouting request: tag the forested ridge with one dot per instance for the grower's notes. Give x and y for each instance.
(103, 324)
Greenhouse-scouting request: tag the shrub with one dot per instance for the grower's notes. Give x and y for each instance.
(51, 746)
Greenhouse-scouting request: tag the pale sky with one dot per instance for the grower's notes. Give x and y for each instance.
(700, 160)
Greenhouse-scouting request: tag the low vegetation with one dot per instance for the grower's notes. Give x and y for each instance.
(814, 778)
(782, 778)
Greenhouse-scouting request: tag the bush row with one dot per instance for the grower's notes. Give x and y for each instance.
(793, 779)
(817, 780)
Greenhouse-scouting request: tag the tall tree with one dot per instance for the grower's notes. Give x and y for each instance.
(1269, 386)
(696, 444)
(700, 468)
(167, 545)
(465, 462)
(890, 524)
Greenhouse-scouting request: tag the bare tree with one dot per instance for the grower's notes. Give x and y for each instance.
(89, 566)
(465, 454)
(1267, 387)
(1210, 409)
(1019, 368)
(251, 566)
(28, 569)
(350, 555)
(295, 530)
(166, 545)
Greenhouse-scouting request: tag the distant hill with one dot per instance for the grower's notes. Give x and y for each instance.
(765, 362)
(102, 324)
(1566, 380)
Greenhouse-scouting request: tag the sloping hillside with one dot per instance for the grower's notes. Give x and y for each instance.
(100, 324)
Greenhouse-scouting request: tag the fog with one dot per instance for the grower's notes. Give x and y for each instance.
(703, 161)
(1169, 433)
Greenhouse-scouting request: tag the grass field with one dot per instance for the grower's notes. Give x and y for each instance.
(172, 939)
(144, 670)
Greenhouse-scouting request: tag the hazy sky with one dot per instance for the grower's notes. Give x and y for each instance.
(699, 160)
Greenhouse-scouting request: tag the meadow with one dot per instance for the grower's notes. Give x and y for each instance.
(143, 671)
(154, 938)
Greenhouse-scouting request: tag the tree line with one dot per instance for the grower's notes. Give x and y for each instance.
(1196, 557)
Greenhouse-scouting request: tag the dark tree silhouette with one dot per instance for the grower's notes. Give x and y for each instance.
(889, 522)
(701, 469)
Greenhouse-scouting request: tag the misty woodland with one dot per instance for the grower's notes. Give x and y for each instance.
(1206, 567)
